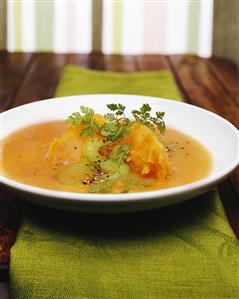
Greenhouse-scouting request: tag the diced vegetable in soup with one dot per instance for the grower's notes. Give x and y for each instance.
(104, 153)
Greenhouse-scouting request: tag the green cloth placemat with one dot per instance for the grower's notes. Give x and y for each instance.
(183, 251)
(76, 80)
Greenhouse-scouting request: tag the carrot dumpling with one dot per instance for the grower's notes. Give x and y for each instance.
(147, 155)
(68, 147)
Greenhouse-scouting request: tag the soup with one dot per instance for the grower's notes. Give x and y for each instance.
(34, 155)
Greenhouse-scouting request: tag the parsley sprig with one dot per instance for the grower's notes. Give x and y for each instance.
(143, 117)
(122, 152)
(117, 125)
(106, 182)
(102, 186)
(85, 117)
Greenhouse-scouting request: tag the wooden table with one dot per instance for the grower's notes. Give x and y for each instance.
(209, 83)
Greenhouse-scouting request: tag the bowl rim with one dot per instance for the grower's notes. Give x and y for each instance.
(210, 180)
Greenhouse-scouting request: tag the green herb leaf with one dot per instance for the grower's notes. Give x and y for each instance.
(143, 116)
(123, 151)
(109, 130)
(85, 117)
(109, 117)
(104, 185)
(88, 131)
(117, 125)
(112, 107)
(86, 110)
(119, 108)
(75, 118)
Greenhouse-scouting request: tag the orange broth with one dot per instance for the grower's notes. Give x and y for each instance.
(23, 159)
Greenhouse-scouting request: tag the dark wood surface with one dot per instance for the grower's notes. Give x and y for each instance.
(209, 83)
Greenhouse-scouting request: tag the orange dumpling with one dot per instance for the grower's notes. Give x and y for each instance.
(147, 155)
(70, 146)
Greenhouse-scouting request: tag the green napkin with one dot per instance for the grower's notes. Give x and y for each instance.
(183, 251)
(76, 80)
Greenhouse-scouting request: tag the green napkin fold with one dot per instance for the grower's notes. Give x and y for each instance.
(183, 251)
(76, 80)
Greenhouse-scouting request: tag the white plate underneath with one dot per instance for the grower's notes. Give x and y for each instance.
(215, 133)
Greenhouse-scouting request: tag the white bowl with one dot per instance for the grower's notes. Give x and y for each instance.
(215, 133)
